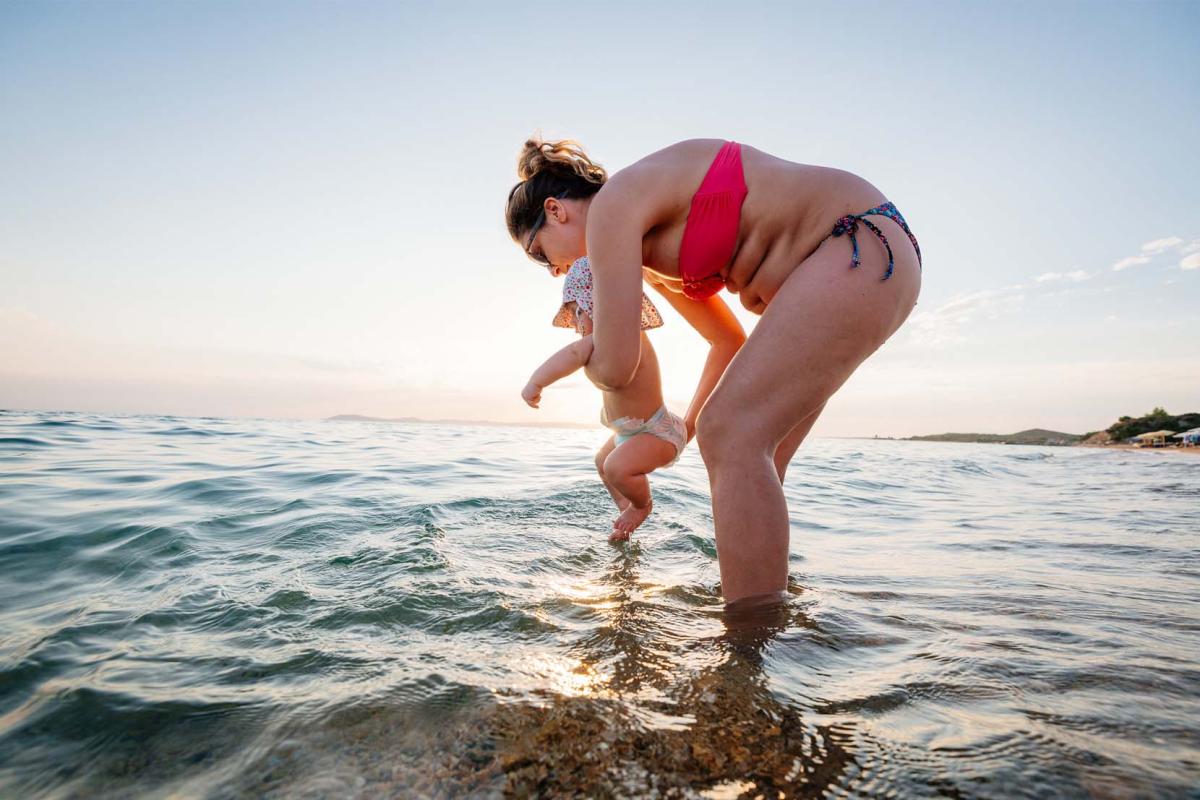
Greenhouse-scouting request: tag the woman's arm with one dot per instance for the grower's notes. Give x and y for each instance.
(618, 218)
(631, 203)
(713, 320)
(557, 367)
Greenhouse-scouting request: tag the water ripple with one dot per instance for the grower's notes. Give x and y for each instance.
(207, 607)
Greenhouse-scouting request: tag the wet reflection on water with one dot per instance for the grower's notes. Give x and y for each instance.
(687, 708)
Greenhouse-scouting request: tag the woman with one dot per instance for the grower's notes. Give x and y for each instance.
(702, 215)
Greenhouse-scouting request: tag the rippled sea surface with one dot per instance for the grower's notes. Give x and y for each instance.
(231, 608)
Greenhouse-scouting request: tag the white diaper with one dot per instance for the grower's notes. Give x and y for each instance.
(663, 424)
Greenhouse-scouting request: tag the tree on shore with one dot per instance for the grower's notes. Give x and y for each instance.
(1157, 420)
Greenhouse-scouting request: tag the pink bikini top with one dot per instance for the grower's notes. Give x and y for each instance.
(711, 230)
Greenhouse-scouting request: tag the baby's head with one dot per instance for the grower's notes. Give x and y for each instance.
(576, 309)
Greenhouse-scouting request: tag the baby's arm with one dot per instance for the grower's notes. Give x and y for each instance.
(558, 366)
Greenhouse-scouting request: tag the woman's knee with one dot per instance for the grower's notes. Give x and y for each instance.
(707, 435)
(722, 437)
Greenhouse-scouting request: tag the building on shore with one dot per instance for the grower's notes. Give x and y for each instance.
(1153, 438)
(1189, 438)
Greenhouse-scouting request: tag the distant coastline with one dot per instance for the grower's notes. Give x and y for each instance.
(1038, 436)
(1126, 433)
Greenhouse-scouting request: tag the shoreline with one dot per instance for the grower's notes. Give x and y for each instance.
(1171, 449)
(1192, 450)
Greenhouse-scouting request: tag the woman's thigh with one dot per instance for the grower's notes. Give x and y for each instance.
(824, 321)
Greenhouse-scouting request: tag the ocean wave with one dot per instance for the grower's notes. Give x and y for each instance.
(249, 608)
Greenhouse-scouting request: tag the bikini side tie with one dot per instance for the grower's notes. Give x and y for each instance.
(849, 224)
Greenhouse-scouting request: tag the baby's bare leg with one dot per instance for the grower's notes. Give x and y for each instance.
(626, 468)
(601, 455)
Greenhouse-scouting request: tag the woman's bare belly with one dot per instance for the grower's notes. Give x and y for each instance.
(789, 210)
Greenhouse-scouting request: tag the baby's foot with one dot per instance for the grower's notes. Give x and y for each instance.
(629, 521)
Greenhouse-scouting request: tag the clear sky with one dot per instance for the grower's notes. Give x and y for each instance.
(290, 209)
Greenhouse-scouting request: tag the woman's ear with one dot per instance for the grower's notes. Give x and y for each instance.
(562, 212)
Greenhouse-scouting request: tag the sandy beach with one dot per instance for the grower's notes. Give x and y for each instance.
(1186, 450)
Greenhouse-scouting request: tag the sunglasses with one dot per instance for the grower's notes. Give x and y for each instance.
(533, 231)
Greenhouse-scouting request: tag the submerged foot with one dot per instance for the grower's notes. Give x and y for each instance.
(629, 521)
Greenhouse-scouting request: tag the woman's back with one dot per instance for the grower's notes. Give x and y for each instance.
(788, 210)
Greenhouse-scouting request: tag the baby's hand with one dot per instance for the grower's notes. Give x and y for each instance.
(532, 394)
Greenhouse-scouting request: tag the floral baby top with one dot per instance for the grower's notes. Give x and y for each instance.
(577, 289)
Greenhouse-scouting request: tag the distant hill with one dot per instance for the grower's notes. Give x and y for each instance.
(1031, 436)
(420, 421)
(1119, 431)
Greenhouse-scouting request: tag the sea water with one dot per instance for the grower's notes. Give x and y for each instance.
(236, 608)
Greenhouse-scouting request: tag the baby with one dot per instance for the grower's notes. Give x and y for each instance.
(646, 435)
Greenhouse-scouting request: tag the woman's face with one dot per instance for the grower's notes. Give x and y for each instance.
(561, 239)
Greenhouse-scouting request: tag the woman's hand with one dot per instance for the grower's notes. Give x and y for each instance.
(713, 320)
(532, 394)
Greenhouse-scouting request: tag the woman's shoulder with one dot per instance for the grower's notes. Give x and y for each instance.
(673, 158)
(661, 183)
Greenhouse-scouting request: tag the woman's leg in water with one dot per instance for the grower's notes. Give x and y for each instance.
(824, 321)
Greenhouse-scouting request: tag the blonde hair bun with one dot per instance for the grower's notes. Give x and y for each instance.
(561, 156)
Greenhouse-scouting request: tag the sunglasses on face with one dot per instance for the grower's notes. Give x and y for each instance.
(540, 258)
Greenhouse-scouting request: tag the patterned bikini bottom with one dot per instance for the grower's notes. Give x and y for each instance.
(849, 224)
